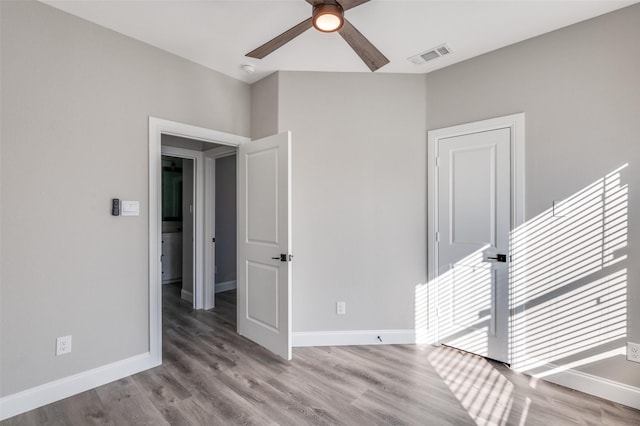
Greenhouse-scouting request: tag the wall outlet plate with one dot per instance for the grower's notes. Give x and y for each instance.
(633, 352)
(341, 308)
(63, 345)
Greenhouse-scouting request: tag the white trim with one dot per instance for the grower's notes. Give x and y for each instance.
(516, 123)
(188, 131)
(209, 231)
(186, 295)
(593, 385)
(226, 286)
(221, 151)
(158, 127)
(29, 399)
(353, 337)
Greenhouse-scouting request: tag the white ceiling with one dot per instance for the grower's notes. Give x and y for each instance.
(217, 34)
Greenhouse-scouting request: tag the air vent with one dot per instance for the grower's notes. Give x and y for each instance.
(430, 54)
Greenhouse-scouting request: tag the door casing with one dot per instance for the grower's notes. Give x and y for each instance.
(158, 127)
(515, 123)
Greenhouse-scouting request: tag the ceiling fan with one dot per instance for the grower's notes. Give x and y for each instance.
(328, 16)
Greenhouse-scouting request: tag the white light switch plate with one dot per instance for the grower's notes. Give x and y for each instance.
(130, 208)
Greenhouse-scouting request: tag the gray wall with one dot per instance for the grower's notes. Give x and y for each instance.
(580, 91)
(226, 218)
(264, 107)
(359, 191)
(75, 104)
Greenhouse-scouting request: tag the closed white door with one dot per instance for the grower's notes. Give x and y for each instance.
(264, 242)
(473, 220)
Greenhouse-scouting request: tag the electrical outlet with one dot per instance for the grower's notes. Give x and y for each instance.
(341, 308)
(63, 345)
(633, 352)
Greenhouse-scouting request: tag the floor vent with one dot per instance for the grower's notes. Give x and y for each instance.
(430, 54)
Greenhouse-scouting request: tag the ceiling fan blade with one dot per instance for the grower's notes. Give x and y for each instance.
(350, 4)
(280, 40)
(369, 54)
(346, 4)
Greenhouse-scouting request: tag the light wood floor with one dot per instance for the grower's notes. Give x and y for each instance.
(211, 376)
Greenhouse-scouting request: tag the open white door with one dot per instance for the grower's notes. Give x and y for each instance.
(264, 242)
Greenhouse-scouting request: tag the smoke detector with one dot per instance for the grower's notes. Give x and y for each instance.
(429, 55)
(248, 68)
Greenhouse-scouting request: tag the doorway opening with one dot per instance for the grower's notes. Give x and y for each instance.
(201, 146)
(264, 230)
(180, 160)
(225, 239)
(177, 225)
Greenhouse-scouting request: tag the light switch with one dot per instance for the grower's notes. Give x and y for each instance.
(130, 208)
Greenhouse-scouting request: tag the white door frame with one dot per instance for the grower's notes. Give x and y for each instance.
(158, 127)
(515, 123)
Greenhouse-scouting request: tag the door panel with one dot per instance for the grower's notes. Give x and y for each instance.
(264, 234)
(473, 221)
(262, 197)
(262, 294)
(472, 175)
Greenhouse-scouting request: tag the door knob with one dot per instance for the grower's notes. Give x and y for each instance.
(499, 257)
(283, 257)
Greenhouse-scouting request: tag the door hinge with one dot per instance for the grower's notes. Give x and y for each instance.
(437, 237)
(213, 240)
(437, 161)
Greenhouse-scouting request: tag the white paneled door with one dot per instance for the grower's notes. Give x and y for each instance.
(264, 242)
(473, 186)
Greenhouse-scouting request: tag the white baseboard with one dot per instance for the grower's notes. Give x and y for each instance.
(186, 295)
(226, 286)
(29, 399)
(353, 337)
(594, 385)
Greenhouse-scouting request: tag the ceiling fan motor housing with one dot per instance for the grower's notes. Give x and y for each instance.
(328, 16)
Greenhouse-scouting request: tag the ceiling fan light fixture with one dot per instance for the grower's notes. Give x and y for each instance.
(328, 17)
